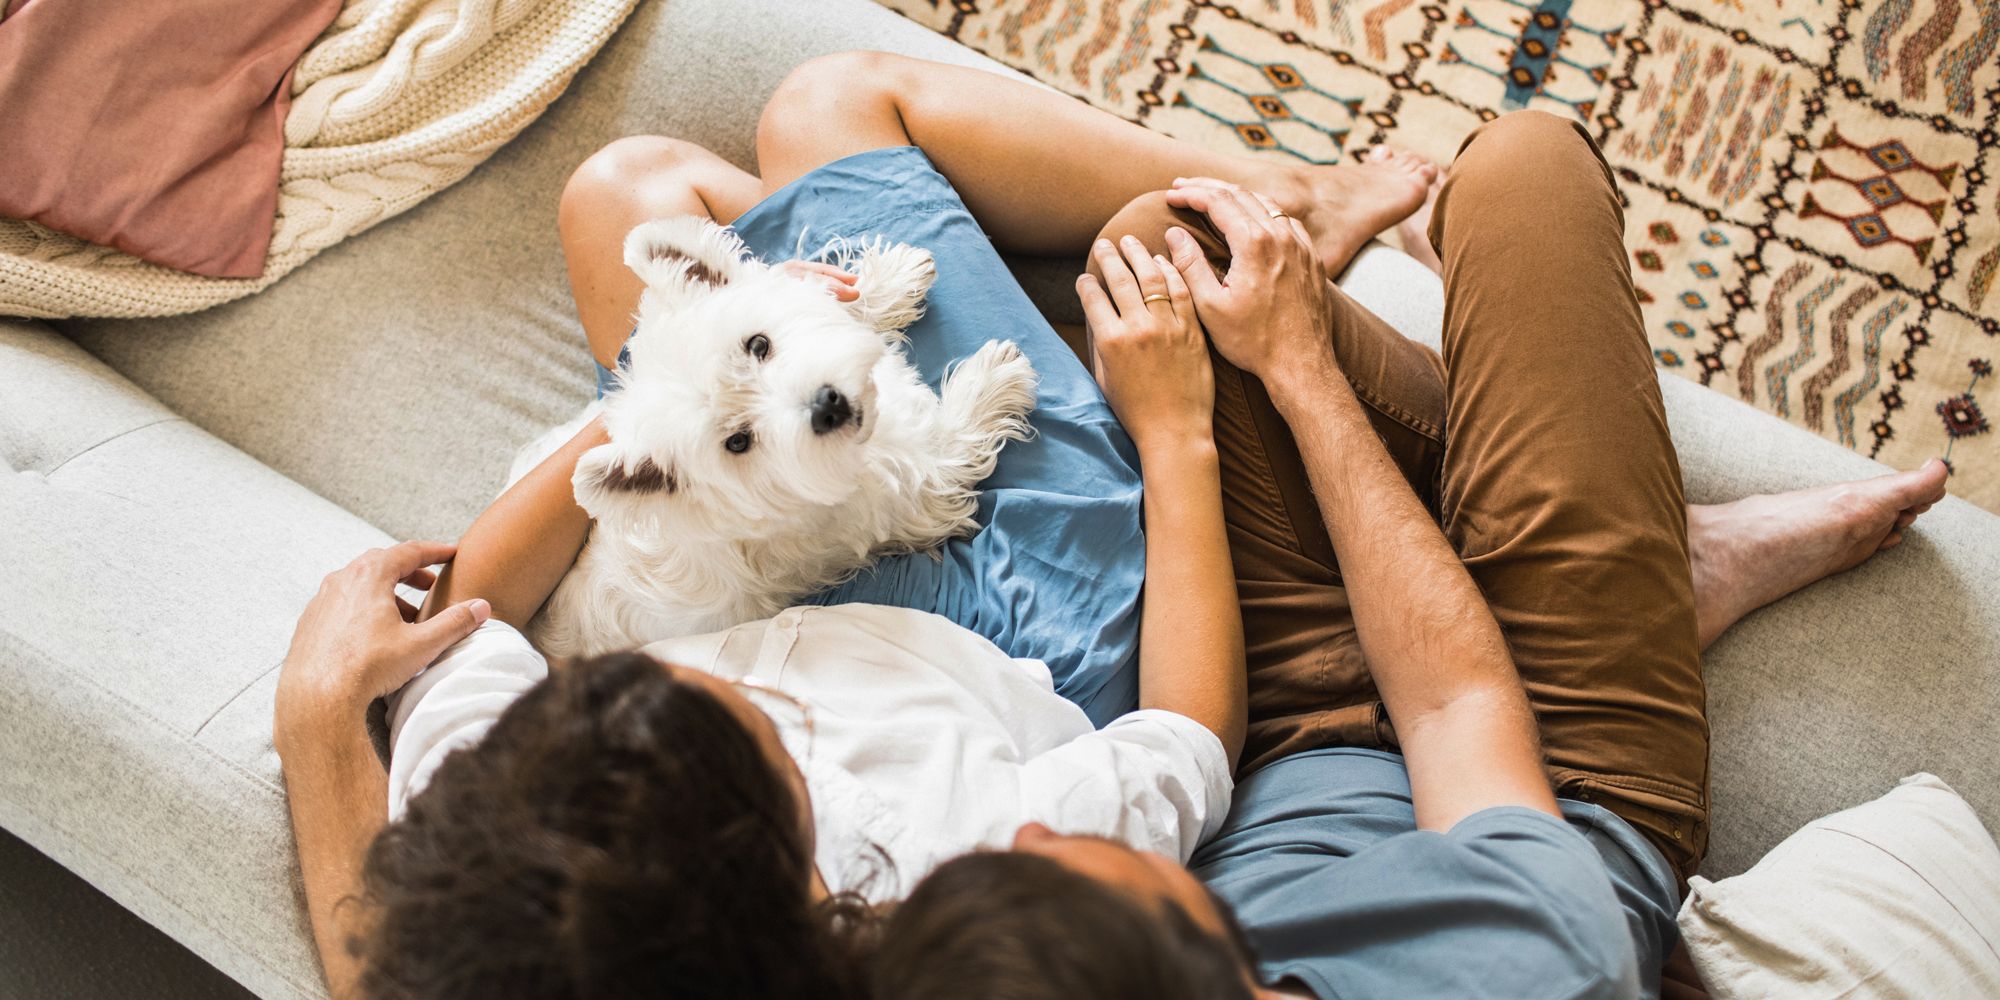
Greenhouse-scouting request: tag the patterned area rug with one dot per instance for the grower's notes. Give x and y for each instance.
(1811, 211)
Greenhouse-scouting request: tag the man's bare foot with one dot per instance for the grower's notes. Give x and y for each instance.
(1756, 550)
(1415, 232)
(1345, 205)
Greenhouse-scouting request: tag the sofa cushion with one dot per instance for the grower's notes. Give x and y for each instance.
(44, 378)
(1897, 897)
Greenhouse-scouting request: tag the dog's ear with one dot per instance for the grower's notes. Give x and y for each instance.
(683, 256)
(604, 477)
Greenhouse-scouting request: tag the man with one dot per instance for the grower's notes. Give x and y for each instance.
(1477, 758)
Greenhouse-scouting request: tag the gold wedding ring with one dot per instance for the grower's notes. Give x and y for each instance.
(1277, 215)
(1155, 297)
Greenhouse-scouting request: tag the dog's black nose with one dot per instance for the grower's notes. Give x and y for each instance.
(830, 410)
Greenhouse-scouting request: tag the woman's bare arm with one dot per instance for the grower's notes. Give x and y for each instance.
(1153, 362)
(519, 548)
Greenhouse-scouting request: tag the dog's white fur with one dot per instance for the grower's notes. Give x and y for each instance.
(691, 537)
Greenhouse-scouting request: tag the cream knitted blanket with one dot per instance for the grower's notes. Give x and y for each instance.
(398, 100)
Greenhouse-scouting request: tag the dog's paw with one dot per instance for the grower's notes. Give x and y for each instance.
(985, 402)
(892, 280)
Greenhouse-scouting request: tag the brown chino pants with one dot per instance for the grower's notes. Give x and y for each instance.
(1540, 444)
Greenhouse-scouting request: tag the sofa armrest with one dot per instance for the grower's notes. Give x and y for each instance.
(58, 402)
(149, 578)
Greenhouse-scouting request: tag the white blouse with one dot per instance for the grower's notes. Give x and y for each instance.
(927, 742)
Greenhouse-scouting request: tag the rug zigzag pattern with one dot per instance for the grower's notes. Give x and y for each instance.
(1810, 207)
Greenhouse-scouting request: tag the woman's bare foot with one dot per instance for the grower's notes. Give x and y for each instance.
(1415, 232)
(1756, 550)
(1346, 205)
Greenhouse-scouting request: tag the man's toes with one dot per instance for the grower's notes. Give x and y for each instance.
(1922, 485)
(1938, 473)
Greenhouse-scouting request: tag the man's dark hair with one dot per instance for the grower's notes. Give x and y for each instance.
(618, 833)
(1015, 926)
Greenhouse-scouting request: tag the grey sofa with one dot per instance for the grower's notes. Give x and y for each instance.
(171, 492)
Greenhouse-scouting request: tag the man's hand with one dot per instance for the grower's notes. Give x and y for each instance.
(1269, 315)
(357, 641)
(838, 282)
(1147, 349)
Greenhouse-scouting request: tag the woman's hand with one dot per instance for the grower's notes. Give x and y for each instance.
(1269, 315)
(1148, 351)
(837, 281)
(357, 641)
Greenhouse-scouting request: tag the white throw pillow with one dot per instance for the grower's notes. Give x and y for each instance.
(1896, 898)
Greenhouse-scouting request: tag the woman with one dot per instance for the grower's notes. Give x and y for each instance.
(528, 868)
(1052, 578)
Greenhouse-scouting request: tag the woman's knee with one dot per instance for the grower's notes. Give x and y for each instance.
(628, 182)
(640, 176)
(828, 88)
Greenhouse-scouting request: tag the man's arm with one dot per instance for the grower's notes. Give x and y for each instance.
(339, 802)
(1432, 644)
(353, 644)
(1153, 364)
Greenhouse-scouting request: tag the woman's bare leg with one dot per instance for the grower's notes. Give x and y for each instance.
(1043, 172)
(634, 180)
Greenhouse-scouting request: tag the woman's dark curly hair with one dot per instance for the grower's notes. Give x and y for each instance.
(618, 833)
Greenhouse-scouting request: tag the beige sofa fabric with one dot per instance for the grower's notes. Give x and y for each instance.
(149, 576)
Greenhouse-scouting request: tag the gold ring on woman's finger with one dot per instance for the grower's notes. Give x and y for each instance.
(1277, 215)
(1155, 297)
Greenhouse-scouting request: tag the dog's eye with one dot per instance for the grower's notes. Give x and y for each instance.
(759, 347)
(738, 442)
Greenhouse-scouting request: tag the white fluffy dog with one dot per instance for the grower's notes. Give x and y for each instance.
(767, 440)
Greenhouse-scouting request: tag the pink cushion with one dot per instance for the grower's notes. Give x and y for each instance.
(152, 126)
